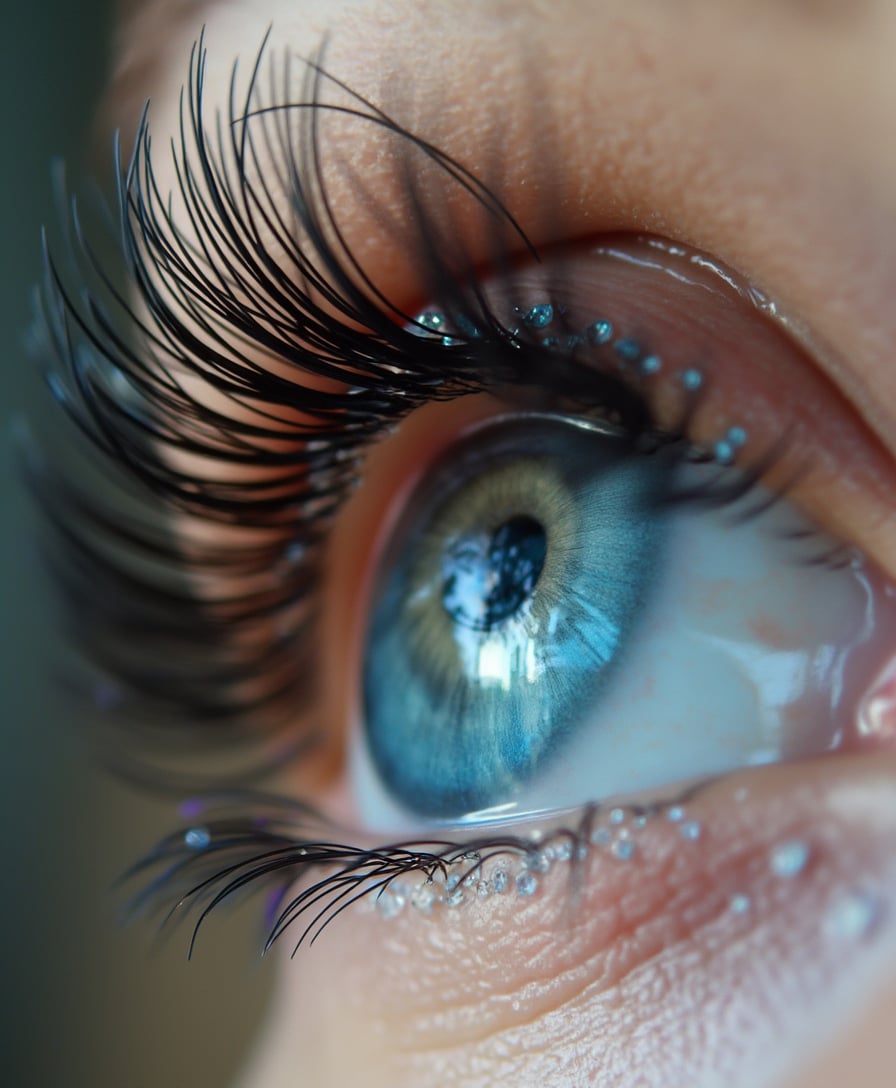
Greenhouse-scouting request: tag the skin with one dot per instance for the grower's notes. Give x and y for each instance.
(761, 134)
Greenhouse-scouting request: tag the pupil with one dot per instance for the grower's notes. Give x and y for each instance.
(488, 578)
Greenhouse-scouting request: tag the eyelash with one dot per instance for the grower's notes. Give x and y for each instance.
(126, 578)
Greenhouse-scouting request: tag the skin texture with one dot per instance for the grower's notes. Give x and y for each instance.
(759, 133)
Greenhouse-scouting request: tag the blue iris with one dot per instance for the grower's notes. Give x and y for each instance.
(505, 601)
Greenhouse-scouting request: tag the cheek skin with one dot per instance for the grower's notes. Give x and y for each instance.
(617, 972)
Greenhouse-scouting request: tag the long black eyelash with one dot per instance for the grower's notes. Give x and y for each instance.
(195, 870)
(173, 666)
(247, 843)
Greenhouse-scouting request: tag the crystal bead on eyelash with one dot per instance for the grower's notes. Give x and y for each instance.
(612, 832)
(601, 332)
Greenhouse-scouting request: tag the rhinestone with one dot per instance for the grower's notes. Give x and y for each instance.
(690, 830)
(424, 897)
(628, 350)
(197, 838)
(623, 849)
(852, 916)
(390, 902)
(539, 316)
(600, 332)
(789, 858)
(692, 380)
(526, 884)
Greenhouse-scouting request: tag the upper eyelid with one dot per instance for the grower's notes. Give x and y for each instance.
(755, 202)
(366, 157)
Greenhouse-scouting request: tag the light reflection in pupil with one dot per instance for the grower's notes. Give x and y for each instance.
(488, 578)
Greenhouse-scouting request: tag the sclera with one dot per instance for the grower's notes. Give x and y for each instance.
(753, 648)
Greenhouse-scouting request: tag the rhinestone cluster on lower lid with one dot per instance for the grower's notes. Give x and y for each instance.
(520, 874)
(628, 352)
(613, 832)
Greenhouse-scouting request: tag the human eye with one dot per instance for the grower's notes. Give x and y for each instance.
(352, 459)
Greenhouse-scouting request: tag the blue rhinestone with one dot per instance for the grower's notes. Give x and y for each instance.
(628, 350)
(197, 838)
(526, 884)
(723, 452)
(623, 849)
(692, 379)
(652, 364)
(601, 332)
(539, 316)
(737, 436)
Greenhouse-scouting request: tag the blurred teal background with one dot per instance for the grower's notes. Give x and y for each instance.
(86, 1004)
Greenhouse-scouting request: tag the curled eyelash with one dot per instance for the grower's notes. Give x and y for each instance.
(258, 843)
(200, 643)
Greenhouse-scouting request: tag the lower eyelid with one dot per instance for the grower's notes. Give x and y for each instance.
(739, 940)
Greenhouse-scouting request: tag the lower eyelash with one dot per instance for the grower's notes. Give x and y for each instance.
(251, 843)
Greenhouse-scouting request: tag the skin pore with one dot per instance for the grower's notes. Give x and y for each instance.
(757, 132)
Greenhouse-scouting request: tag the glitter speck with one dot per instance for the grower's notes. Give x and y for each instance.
(652, 364)
(789, 858)
(737, 436)
(499, 881)
(623, 849)
(852, 916)
(739, 904)
(690, 830)
(675, 814)
(197, 838)
(617, 816)
(600, 836)
(526, 884)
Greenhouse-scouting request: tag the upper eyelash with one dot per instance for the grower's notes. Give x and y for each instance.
(123, 571)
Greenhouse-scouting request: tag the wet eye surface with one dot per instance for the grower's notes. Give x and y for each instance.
(507, 598)
(547, 629)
